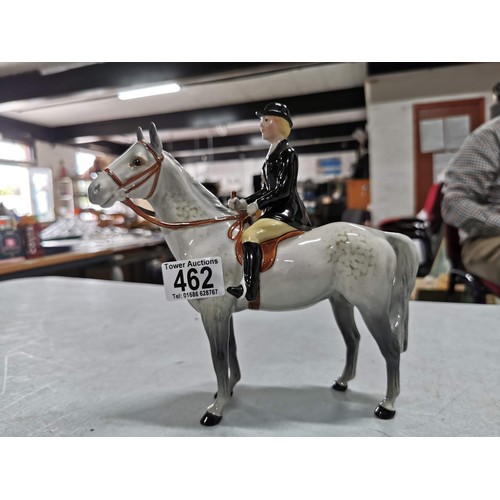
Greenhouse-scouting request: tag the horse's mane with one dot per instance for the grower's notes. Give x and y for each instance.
(208, 199)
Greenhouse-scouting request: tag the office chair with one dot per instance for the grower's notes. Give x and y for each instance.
(477, 287)
(424, 229)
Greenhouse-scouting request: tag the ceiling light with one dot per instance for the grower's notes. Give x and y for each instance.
(169, 88)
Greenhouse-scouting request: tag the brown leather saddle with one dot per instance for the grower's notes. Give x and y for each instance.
(269, 250)
(269, 247)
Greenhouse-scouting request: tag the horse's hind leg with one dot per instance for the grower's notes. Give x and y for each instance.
(217, 326)
(388, 344)
(344, 315)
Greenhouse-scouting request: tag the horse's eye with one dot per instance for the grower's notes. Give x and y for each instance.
(136, 162)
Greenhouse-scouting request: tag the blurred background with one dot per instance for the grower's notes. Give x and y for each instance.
(372, 139)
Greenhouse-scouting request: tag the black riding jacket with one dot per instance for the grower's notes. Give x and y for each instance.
(278, 199)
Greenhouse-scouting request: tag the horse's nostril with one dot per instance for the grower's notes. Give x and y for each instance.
(97, 188)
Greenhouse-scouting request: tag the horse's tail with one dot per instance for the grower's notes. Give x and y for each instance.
(404, 281)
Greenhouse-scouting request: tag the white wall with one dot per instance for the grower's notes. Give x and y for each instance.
(389, 101)
(237, 175)
(51, 155)
(231, 175)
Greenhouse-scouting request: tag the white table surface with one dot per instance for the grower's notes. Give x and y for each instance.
(82, 357)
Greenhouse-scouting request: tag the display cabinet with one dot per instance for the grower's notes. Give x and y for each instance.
(65, 202)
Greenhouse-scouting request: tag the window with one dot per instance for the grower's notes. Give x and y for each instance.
(15, 192)
(83, 161)
(25, 189)
(14, 151)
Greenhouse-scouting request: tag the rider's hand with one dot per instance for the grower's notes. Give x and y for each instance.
(252, 209)
(237, 204)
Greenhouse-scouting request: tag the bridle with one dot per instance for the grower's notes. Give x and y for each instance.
(154, 170)
(141, 177)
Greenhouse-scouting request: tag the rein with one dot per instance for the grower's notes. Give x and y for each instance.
(151, 217)
(154, 170)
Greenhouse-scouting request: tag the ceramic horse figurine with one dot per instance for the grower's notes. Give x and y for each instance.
(350, 265)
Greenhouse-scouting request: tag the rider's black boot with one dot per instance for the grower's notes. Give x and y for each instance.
(252, 258)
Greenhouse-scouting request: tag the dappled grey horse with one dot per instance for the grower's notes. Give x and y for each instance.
(350, 265)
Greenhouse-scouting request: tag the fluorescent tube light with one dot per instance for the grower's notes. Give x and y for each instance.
(169, 88)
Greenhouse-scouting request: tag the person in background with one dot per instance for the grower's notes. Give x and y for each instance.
(282, 209)
(471, 200)
(495, 107)
(100, 164)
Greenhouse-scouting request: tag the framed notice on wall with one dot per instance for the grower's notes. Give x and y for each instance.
(440, 128)
(443, 134)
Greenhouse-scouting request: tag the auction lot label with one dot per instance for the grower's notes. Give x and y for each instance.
(199, 278)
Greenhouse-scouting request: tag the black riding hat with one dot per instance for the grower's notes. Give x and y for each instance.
(276, 109)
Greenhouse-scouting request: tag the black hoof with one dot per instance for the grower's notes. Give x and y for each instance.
(235, 291)
(384, 413)
(209, 419)
(339, 387)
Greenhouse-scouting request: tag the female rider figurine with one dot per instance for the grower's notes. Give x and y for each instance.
(282, 209)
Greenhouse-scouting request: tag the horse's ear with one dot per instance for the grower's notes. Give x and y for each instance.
(140, 135)
(155, 139)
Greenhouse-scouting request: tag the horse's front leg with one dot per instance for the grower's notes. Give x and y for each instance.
(344, 315)
(217, 323)
(234, 367)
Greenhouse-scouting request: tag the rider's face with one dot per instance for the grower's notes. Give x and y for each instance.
(270, 128)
